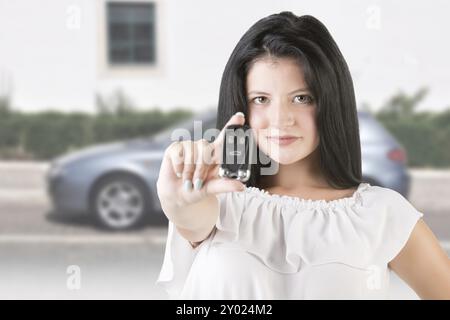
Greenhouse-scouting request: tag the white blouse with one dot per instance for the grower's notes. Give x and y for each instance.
(268, 246)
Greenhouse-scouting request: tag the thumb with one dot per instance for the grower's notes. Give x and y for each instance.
(237, 118)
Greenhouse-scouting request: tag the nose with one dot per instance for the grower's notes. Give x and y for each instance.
(281, 115)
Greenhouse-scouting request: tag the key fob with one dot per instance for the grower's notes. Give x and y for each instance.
(238, 146)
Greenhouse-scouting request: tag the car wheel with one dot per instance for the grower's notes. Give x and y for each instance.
(119, 202)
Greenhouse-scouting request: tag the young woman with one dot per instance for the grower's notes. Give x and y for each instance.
(312, 229)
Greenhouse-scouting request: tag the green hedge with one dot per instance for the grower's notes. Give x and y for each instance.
(426, 144)
(44, 135)
(424, 134)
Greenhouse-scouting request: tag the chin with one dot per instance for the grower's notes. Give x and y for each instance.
(286, 159)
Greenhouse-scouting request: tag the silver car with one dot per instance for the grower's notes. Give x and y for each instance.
(116, 183)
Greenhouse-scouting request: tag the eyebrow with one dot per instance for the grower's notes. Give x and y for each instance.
(298, 90)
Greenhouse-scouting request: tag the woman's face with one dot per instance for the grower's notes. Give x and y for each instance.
(280, 104)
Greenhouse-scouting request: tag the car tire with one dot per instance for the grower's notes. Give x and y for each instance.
(119, 202)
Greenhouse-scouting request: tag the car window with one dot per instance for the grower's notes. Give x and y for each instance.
(370, 130)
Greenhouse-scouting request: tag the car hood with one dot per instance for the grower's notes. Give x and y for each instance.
(107, 150)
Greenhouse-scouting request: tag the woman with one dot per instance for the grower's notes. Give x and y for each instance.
(311, 229)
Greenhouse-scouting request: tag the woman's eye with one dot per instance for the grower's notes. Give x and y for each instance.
(305, 98)
(255, 99)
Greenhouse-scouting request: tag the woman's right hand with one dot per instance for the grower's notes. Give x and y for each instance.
(197, 164)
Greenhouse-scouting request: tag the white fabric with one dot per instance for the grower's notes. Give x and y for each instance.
(268, 246)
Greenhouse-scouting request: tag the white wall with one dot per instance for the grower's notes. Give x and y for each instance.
(389, 45)
(51, 65)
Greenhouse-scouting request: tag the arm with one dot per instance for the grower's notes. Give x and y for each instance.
(423, 264)
(195, 222)
(194, 211)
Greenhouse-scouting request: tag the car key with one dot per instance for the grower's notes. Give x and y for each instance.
(237, 153)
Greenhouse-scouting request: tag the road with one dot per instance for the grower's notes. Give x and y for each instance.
(37, 248)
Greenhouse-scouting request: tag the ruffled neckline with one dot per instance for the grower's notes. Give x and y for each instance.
(355, 198)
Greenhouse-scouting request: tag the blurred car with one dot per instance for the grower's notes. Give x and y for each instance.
(115, 183)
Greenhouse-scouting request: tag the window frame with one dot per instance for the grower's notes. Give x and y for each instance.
(106, 69)
(131, 41)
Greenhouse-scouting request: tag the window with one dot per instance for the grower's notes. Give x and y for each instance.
(131, 33)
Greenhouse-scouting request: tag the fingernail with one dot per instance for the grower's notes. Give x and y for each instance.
(187, 184)
(198, 184)
(239, 114)
(179, 174)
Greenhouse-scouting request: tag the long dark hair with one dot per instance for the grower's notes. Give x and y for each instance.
(326, 73)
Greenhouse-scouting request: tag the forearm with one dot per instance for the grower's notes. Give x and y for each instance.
(188, 235)
(194, 222)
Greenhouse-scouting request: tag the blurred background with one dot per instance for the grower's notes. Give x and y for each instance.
(92, 90)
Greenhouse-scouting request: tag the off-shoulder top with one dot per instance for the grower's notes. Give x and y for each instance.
(268, 246)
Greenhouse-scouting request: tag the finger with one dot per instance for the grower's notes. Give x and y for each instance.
(189, 164)
(237, 118)
(176, 155)
(203, 161)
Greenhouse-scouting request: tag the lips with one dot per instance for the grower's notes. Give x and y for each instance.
(283, 137)
(283, 140)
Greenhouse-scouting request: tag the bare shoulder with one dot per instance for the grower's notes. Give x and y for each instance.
(423, 264)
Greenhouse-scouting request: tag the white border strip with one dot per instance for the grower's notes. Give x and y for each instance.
(429, 173)
(80, 239)
(101, 239)
(18, 165)
(445, 245)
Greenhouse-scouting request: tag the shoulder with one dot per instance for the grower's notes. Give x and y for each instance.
(393, 206)
(397, 218)
(430, 277)
(390, 198)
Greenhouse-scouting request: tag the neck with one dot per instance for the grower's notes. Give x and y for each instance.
(304, 173)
